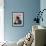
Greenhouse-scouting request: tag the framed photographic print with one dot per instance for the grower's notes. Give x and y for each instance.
(18, 19)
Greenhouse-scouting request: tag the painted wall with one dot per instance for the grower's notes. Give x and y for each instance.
(29, 7)
(43, 6)
(1, 20)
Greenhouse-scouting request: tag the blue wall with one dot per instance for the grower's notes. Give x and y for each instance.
(43, 6)
(29, 7)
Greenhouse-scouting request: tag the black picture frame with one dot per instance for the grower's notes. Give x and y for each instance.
(17, 16)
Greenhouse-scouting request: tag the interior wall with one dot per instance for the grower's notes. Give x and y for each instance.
(29, 7)
(43, 6)
(1, 20)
